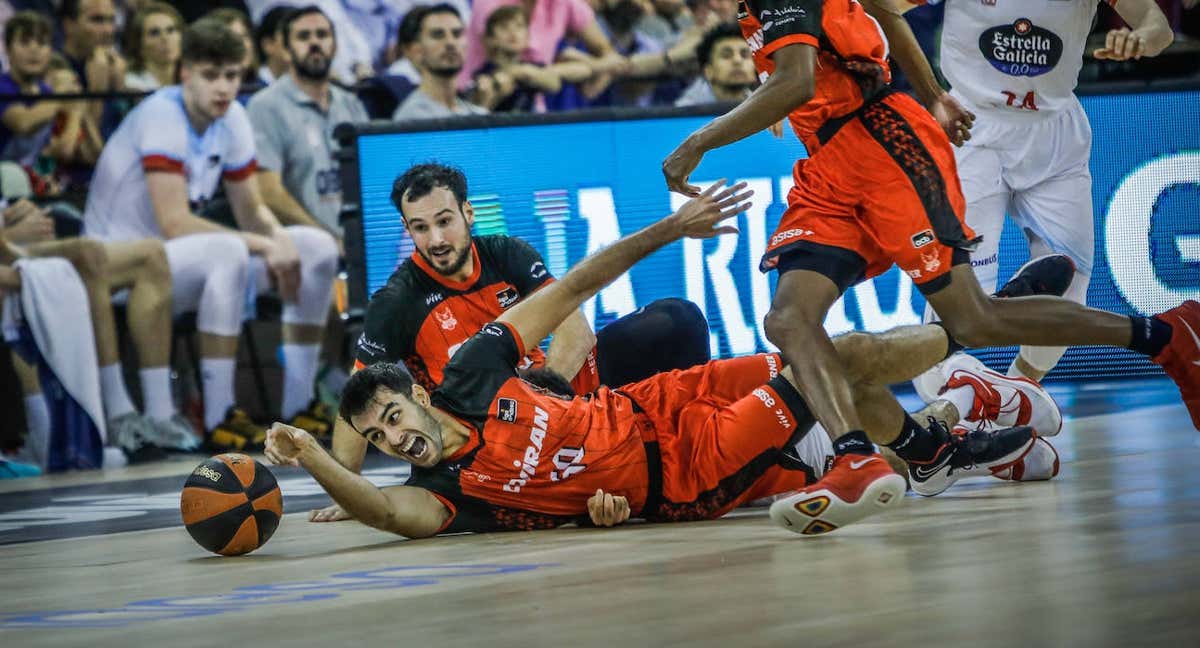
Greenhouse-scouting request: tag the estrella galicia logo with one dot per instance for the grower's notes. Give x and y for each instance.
(506, 410)
(507, 296)
(1021, 49)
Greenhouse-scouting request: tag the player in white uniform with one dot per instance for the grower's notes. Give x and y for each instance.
(166, 157)
(1015, 64)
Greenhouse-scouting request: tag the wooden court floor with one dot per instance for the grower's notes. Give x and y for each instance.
(1107, 554)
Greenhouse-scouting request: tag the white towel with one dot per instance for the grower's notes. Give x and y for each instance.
(53, 293)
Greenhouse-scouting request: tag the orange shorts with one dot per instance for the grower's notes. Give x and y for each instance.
(721, 428)
(882, 189)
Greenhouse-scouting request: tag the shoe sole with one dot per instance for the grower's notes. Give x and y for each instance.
(977, 471)
(821, 511)
(1030, 262)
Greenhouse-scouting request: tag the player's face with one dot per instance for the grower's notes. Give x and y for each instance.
(402, 428)
(160, 38)
(439, 48)
(311, 46)
(440, 230)
(730, 64)
(29, 56)
(211, 88)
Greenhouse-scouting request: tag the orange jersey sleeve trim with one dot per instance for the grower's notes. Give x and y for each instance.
(358, 365)
(794, 39)
(241, 173)
(162, 163)
(453, 512)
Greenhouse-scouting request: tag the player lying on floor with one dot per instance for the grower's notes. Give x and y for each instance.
(492, 452)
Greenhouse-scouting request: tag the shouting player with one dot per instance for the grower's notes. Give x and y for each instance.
(880, 187)
(490, 451)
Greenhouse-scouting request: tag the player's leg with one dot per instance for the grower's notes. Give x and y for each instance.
(665, 334)
(209, 275)
(142, 268)
(304, 327)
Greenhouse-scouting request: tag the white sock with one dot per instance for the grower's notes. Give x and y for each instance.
(962, 398)
(299, 377)
(156, 392)
(112, 388)
(37, 418)
(217, 374)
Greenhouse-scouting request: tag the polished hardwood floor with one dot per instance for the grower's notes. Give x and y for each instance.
(1106, 554)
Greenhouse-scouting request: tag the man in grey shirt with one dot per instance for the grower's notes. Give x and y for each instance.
(432, 37)
(293, 122)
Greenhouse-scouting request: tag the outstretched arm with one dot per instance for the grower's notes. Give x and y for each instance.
(403, 510)
(535, 316)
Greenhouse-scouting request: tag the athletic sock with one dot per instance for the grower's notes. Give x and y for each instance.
(1150, 335)
(156, 392)
(299, 377)
(217, 374)
(112, 390)
(916, 443)
(853, 442)
(962, 398)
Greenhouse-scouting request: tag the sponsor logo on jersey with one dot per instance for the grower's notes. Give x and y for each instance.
(214, 160)
(493, 329)
(371, 346)
(1021, 49)
(537, 270)
(528, 464)
(979, 263)
(789, 234)
(434, 298)
(921, 239)
(781, 17)
(507, 296)
(445, 317)
(931, 260)
(506, 410)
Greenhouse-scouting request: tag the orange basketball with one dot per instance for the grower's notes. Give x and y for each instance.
(231, 504)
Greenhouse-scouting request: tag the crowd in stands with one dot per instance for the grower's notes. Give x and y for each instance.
(79, 73)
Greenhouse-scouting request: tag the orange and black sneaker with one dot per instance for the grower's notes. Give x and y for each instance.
(1181, 357)
(238, 432)
(855, 487)
(316, 419)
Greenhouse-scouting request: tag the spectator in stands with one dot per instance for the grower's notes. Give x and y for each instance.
(726, 67)
(379, 21)
(355, 59)
(75, 140)
(293, 121)
(551, 22)
(508, 82)
(25, 125)
(272, 53)
(151, 176)
(711, 12)
(434, 35)
(239, 24)
(617, 18)
(89, 44)
(152, 44)
(667, 23)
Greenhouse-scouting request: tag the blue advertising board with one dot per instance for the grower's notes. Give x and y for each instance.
(570, 188)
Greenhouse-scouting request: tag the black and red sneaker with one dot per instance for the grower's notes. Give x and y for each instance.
(1181, 357)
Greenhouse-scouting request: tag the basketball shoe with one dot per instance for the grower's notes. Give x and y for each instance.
(1040, 464)
(1005, 401)
(237, 432)
(974, 453)
(316, 419)
(1046, 275)
(1181, 357)
(855, 487)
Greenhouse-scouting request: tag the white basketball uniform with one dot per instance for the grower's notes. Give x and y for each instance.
(1015, 65)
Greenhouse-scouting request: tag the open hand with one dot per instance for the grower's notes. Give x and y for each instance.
(698, 217)
(331, 513)
(607, 510)
(1121, 45)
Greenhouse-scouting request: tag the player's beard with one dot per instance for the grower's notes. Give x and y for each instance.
(456, 263)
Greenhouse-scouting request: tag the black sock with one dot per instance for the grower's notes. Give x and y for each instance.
(1150, 335)
(954, 346)
(916, 443)
(853, 442)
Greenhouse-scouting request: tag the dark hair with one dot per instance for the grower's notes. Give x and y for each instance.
(27, 23)
(297, 14)
(503, 15)
(421, 179)
(269, 26)
(720, 32)
(134, 31)
(229, 15)
(209, 40)
(69, 9)
(361, 388)
(410, 26)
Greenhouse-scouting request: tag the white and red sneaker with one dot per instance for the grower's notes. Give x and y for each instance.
(1181, 357)
(1004, 401)
(1040, 464)
(855, 487)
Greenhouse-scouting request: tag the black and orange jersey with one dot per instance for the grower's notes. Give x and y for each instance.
(422, 318)
(851, 53)
(533, 458)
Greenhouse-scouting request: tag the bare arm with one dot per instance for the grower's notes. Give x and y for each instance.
(534, 317)
(25, 120)
(544, 79)
(281, 202)
(790, 86)
(595, 41)
(277, 248)
(1151, 32)
(572, 71)
(573, 340)
(403, 510)
(168, 195)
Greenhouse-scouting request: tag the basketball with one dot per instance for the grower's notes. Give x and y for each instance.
(231, 504)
